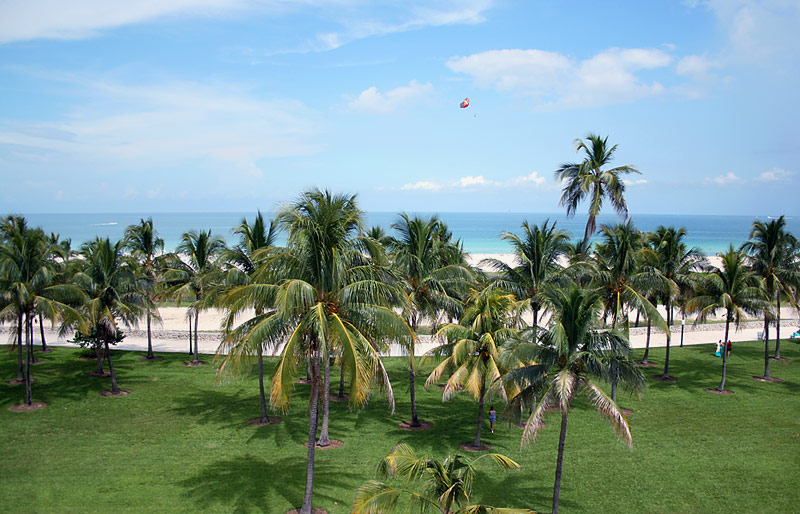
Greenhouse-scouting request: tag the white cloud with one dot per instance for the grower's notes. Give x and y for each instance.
(695, 65)
(774, 175)
(533, 178)
(726, 179)
(77, 19)
(637, 182)
(372, 101)
(138, 127)
(556, 80)
(758, 30)
(423, 185)
(472, 181)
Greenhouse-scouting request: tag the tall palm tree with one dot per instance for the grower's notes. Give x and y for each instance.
(625, 283)
(473, 350)
(244, 260)
(328, 298)
(429, 278)
(589, 179)
(676, 262)
(774, 257)
(28, 288)
(447, 485)
(193, 272)
(147, 248)
(538, 251)
(573, 349)
(733, 288)
(108, 277)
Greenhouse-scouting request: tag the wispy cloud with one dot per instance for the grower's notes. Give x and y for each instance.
(695, 65)
(123, 126)
(723, 180)
(472, 182)
(372, 101)
(558, 81)
(637, 182)
(774, 175)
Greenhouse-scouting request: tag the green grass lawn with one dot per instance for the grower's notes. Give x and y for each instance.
(180, 442)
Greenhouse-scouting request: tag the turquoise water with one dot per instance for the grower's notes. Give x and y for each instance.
(480, 232)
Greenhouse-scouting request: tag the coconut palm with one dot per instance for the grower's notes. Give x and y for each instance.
(538, 252)
(108, 278)
(573, 349)
(421, 259)
(147, 248)
(625, 284)
(328, 298)
(588, 179)
(245, 259)
(28, 288)
(446, 485)
(473, 350)
(193, 272)
(676, 262)
(774, 257)
(732, 287)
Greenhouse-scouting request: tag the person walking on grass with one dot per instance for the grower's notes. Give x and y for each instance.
(492, 417)
(729, 347)
(718, 350)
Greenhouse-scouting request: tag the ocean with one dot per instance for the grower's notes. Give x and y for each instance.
(479, 231)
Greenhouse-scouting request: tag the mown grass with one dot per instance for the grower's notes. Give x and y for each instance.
(180, 443)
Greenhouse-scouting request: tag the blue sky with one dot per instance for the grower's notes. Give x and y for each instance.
(233, 105)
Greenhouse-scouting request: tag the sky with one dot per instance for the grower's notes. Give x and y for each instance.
(237, 105)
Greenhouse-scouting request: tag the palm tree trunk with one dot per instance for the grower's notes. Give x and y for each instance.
(28, 359)
(114, 386)
(324, 439)
(41, 330)
(313, 418)
(669, 337)
(724, 354)
(683, 325)
(614, 389)
(149, 339)
(766, 347)
(560, 460)
(308, 368)
(647, 343)
(190, 335)
(264, 418)
(196, 359)
(586, 234)
(98, 350)
(637, 318)
(341, 379)
(412, 375)
(477, 443)
(20, 344)
(778, 329)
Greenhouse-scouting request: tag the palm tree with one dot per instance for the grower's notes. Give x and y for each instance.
(676, 262)
(624, 283)
(28, 288)
(774, 257)
(193, 272)
(108, 278)
(572, 350)
(473, 350)
(245, 259)
(447, 484)
(588, 179)
(328, 298)
(538, 252)
(428, 277)
(146, 247)
(733, 288)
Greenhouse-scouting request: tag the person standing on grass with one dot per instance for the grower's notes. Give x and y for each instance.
(492, 417)
(718, 351)
(729, 347)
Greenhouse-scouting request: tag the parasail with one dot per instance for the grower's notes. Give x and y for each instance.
(464, 103)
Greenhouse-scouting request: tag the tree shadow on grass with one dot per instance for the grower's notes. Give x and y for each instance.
(519, 489)
(217, 406)
(250, 484)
